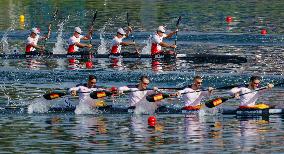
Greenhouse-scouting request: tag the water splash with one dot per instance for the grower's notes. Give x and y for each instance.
(147, 48)
(144, 107)
(85, 106)
(39, 106)
(59, 49)
(6, 93)
(4, 41)
(102, 48)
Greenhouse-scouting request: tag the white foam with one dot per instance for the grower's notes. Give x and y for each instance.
(145, 107)
(147, 48)
(38, 106)
(59, 48)
(102, 49)
(85, 106)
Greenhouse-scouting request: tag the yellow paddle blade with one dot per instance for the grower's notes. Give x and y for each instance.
(100, 94)
(100, 104)
(54, 95)
(157, 97)
(215, 102)
(262, 106)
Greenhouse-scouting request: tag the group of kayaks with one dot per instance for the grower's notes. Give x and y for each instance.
(110, 109)
(197, 58)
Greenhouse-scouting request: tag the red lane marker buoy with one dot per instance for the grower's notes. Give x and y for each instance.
(113, 89)
(89, 64)
(152, 121)
(155, 63)
(263, 32)
(72, 60)
(229, 19)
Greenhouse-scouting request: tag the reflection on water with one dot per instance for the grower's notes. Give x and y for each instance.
(129, 133)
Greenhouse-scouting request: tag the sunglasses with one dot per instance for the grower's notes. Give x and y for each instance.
(145, 84)
(256, 83)
(199, 82)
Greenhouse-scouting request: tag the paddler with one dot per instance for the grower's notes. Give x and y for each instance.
(193, 94)
(84, 91)
(117, 41)
(157, 42)
(138, 92)
(74, 41)
(32, 40)
(248, 101)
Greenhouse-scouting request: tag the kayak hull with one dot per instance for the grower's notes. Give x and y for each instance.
(197, 58)
(161, 110)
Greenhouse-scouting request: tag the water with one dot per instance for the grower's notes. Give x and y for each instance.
(203, 29)
(59, 45)
(102, 49)
(125, 133)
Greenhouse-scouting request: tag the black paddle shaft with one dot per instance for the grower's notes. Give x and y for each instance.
(217, 101)
(91, 26)
(128, 24)
(177, 24)
(49, 26)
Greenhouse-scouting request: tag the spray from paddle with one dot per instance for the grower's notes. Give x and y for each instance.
(59, 48)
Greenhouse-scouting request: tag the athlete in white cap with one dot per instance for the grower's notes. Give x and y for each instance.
(74, 41)
(32, 40)
(157, 41)
(117, 41)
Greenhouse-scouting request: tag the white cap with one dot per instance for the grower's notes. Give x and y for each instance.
(36, 30)
(161, 29)
(121, 31)
(78, 30)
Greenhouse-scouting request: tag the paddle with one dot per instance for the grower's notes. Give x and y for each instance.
(180, 88)
(57, 94)
(113, 90)
(177, 24)
(157, 97)
(94, 94)
(132, 36)
(104, 93)
(49, 26)
(219, 100)
(100, 94)
(92, 25)
(160, 96)
(91, 31)
(128, 23)
(54, 95)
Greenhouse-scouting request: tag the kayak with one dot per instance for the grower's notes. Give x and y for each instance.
(109, 109)
(197, 58)
(253, 112)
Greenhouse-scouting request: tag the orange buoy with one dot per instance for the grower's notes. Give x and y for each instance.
(263, 32)
(229, 19)
(89, 64)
